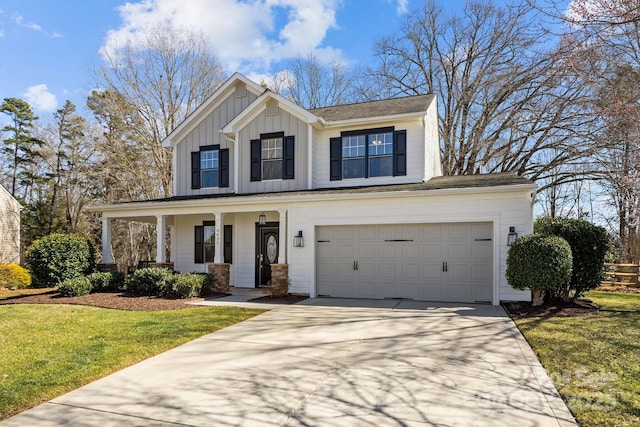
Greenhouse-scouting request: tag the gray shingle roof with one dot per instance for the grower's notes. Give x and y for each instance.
(386, 107)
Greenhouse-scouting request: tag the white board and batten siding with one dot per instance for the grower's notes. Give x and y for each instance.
(265, 123)
(207, 132)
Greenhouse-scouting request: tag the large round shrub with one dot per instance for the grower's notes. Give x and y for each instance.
(58, 257)
(539, 263)
(589, 245)
(14, 276)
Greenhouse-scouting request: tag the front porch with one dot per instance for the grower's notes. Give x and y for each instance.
(240, 248)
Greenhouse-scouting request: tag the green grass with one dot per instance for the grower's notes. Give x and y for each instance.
(48, 350)
(594, 360)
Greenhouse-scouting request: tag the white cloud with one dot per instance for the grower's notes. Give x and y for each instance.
(30, 25)
(246, 35)
(40, 98)
(402, 6)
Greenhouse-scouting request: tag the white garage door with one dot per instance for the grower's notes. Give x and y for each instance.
(430, 262)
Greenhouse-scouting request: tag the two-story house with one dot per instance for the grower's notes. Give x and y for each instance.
(347, 201)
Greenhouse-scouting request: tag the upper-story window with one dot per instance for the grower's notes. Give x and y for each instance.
(369, 153)
(210, 167)
(272, 157)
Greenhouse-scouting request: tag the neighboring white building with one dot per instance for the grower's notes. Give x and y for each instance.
(9, 227)
(360, 183)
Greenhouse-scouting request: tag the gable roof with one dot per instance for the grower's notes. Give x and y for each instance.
(209, 105)
(386, 107)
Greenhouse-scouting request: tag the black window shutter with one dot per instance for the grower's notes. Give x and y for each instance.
(335, 159)
(224, 167)
(195, 170)
(256, 160)
(198, 246)
(400, 153)
(228, 244)
(288, 158)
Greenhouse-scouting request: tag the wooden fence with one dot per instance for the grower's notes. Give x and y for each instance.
(622, 275)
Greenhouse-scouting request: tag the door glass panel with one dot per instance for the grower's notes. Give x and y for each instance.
(272, 249)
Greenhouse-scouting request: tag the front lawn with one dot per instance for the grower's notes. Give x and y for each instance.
(48, 350)
(594, 360)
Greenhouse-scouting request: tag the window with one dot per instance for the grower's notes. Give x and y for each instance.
(205, 242)
(368, 153)
(209, 168)
(271, 158)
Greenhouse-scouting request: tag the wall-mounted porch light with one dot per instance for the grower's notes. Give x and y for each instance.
(298, 240)
(262, 219)
(511, 238)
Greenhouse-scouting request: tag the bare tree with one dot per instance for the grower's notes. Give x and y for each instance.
(166, 76)
(311, 84)
(504, 99)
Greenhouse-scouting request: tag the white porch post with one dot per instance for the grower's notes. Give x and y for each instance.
(161, 229)
(107, 258)
(218, 256)
(282, 237)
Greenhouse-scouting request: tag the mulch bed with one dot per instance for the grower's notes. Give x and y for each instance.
(128, 301)
(117, 300)
(624, 289)
(522, 309)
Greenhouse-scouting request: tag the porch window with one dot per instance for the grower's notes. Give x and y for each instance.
(205, 243)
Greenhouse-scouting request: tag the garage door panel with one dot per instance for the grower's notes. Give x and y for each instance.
(406, 261)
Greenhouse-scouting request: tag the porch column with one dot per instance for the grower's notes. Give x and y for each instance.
(282, 237)
(161, 229)
(218, 256)
(107, 258)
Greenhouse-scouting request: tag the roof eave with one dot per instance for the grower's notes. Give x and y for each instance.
(308, 196)
(366, 120)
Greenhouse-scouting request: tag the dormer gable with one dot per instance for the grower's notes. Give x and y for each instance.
(269, 102)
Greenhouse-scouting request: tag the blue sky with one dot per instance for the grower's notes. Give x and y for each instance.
(48, 49)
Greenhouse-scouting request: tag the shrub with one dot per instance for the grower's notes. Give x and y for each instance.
(589, 245)
(150, 281)
(75, 286)
(207, 283)
(278, 288)
(539, 263)
(14, 276)
(106, 282)
(58, 257)
(187, 285)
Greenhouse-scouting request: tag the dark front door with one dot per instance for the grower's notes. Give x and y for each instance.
(267, 247)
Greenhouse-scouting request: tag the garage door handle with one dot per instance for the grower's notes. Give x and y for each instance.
(355, 265)
(445, 267)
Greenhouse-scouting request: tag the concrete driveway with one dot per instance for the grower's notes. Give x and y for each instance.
(329, 362)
